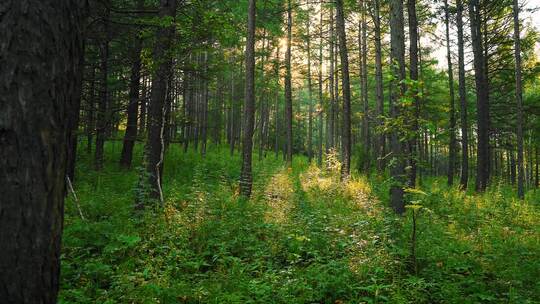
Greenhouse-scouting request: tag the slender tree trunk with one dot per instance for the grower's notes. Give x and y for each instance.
(364, 87)
(332, 116)
(536, 165)
(74, 118)
(321, 106)
(156, 110)
(463, 100)
(482, 106)
(102, 109)
(142, 102)
(90, 116)
(246, 179)
(346, 131)
(288, 87)
(519, 102)
(398, 57)
(310, 90)
(40, 78)
(381, 151)
(413, 49)
(132, 109)
(452, 148)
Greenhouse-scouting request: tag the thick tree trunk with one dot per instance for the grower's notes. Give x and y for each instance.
(398, 57)
(346, 130)
(246, 179)
(288, 87)
(519, 102)
(452, 148)
(482, 106)
(156, 110)
(40, 78)
(463, 100)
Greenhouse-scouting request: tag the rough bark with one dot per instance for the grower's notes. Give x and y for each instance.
(482, 103)
(397, 42)
(40, 79)
(246, 179)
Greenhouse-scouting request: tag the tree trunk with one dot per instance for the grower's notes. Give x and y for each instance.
(482, 106)
(133, 107)
(346, 131)
(364, 87)
(90, 116)
(310, 90)
(398, 56)
(463, 100)
(331, 118)
(413, 49)
(40, 78)
(288, 87)
(156, 109)
(321, 106)
(452, 148)
(519, 102)
(102, 109)
(381, 143)
(246, 179)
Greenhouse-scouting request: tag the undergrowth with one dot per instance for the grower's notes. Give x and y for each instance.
(305, 237)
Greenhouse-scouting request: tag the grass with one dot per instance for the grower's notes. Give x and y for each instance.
(305, 237)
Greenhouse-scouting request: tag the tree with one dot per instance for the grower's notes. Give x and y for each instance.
(320, 80)
(346, 131)
(482, 102)
(310, 90)
(362, 38)
(103, 102)
(413, 49)
(133, 106)
(246, 179)
(452, 148)
(397, 42)
(463, 100)
(519, 102)
(288, 87)
(381, 151)
(40, 83)
(156, 109)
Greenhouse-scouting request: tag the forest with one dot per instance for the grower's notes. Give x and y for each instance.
(269, 151)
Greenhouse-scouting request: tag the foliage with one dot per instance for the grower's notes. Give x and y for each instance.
(336, 243)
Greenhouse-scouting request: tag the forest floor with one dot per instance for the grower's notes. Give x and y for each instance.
(304, 237)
